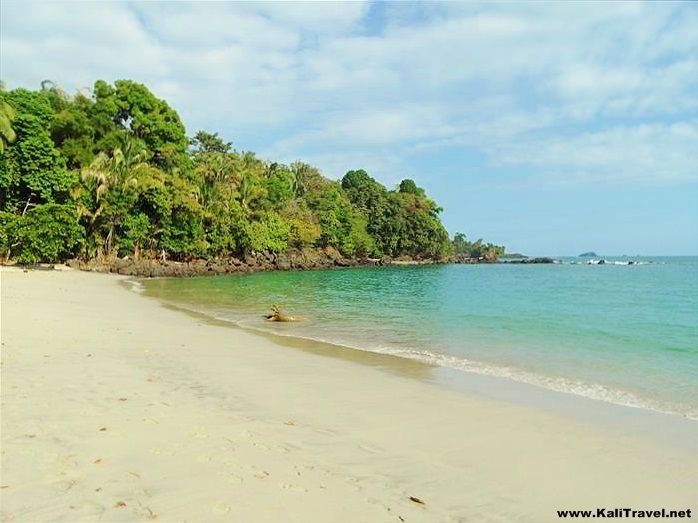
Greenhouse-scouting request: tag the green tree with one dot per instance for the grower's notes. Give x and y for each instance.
(460, 243)
(280, 186)
(421, 233)
(341, 225)
(250, 192)
(6, 221)
(204, 142)
(304, 227)
(141, 114)
(137, 231)
(75, 133)
(32, 170)
(110, 185)
(119, 157)
(7, 132)
(46, 233)
(271, 234)
(373, 200)
(477, 249)
(365, 192)
(309, 180)
(182, 219)
(410, 187)
(359, 242)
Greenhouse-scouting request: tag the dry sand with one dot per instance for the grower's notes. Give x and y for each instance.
(115, 408)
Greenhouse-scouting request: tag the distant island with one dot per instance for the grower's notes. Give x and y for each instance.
(111, 180)
(590, 254)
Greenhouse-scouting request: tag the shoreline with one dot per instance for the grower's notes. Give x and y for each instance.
(459, 367)
(260, 262)
(218, 424)
(570, 404)
(305, 260)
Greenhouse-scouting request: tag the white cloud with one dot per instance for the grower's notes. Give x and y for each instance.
(604, 91)
(641, 153)
(316, 16)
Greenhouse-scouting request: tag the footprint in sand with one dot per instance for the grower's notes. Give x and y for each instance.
(200, 433)
(89, 509)
(65, 486)
(370, 448)
(260, 474)
(326, 432)
(354, 483)
(148, 513)
(229, 446)
(235, 479)
(292, 488)
(164, 452)
(221, 508)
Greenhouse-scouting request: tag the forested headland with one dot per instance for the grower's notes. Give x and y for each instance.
(112, 174)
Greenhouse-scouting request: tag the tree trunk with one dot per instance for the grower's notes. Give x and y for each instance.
(26, 205)
(109, 239)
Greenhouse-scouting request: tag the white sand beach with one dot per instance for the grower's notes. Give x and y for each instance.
(116, 408)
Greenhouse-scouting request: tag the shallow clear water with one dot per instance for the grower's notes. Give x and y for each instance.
(626, 334)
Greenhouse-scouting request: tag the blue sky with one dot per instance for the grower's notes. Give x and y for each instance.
(553, 128)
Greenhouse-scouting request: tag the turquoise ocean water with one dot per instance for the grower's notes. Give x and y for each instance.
(626, 334)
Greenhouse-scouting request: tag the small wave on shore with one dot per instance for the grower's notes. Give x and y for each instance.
(603, 261)
(593, 391)
(620, 336)
(135, 285)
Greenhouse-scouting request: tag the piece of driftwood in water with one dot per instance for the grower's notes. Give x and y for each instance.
(278, 315)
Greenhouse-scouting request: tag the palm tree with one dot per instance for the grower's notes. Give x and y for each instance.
(111, 182)
(7, 133)
(249, 192)
(217, 171)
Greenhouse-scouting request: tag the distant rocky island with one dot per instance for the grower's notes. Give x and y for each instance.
(590, 254)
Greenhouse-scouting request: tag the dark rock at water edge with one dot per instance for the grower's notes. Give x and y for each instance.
(540, 260)
(308, 259)
(465, 259)
(254, 262)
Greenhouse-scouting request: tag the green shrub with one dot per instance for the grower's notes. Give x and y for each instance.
(46, 233)
(359, 242)
(6, 221)
(136, 233)
(271, 234)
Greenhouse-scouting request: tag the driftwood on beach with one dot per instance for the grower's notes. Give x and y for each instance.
(278, 315)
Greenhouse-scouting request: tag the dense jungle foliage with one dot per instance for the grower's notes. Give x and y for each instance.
(113, 173)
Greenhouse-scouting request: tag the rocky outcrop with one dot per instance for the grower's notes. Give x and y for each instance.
(299, 260)
(465, 259)
(254, 262)
(532, 260)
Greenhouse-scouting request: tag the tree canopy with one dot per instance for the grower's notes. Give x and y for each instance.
(112, 172)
